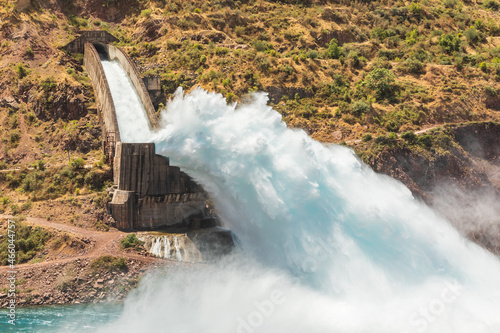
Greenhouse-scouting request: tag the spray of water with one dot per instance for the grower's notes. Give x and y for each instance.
(326, 245)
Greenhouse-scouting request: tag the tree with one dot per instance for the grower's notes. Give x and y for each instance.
(381, 81)
(334, 51)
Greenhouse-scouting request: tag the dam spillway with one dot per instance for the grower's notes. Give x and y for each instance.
(149, 193)
(131, 115)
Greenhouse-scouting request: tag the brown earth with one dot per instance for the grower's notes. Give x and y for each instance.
(65, 275)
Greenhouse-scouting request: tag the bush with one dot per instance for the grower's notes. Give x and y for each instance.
(359, 107)
(312, 54)
(367, 137)
(409, 136)
(260, 45)
(78, 163)
(413, 65)
(425, 140)
(415, 8)
(381, 81)
(472, 35)
(96, 179)
(146, 12)
(489, 90)
(449, 43)
(491, 4)
(381, 140)
(131, 241)
(29, 241)
(411, 37)
(450, 3)
(14, 137)
(48, 84)
(109, 263)
(334, 51)
(21, 71)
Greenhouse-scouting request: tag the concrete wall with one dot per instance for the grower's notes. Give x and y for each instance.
(133, 72)
(100, 36)
(137, 168)
(172, 209)
(106, 106)
(132, 213)
(123, 208)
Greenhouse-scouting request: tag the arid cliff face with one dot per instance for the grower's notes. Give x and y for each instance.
(462, 182)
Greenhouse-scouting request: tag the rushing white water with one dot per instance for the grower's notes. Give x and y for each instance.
(327, 245)
(130, 113)
(171, 246)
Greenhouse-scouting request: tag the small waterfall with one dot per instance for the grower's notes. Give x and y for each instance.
(171, 246)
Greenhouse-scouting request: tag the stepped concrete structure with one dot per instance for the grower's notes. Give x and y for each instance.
(149, 193)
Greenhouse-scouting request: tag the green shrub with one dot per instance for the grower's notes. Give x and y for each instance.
(359, 107)
(40, 165)
(131, 241)
(78, 163)
(21, 71)
(28, 240)
(146, 12)
(381, 140)
(14, 137)
(26, 206)
(334, 51)
(450, 43)
(491, 4)
(425, 140)
(411, 37)
(367, 137)
(415, 8)
(96, 179)
(312, 54)
(262, 62)
(472, 35)
(489, 90)
(381, 81)
(450, 3)
(355, 60)
(48, 84)
(260, 45)
(409, 136)
(413, 65)
(108, 263)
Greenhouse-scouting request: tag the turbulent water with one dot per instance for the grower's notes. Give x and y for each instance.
(325, 244)
(61, 318)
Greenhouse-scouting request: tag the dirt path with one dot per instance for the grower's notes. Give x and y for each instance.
(100, 242)
(416, 132)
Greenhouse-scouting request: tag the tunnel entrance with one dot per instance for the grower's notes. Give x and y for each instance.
(102, 50)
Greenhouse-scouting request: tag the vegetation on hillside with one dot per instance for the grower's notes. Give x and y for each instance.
(365, 73)
(28, 242)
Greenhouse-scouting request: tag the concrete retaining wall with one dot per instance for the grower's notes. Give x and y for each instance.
(133, 213)
(78, 44)
(137, 168)
(106, 106)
